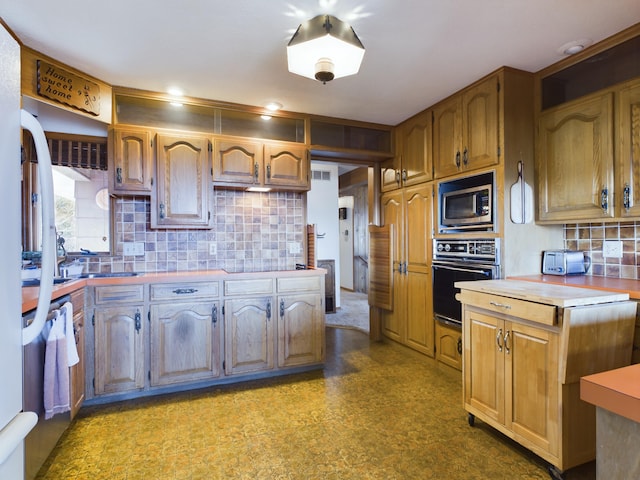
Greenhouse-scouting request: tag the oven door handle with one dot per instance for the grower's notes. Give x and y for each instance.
(459, 269)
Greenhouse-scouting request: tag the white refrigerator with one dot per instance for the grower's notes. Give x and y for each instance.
(14, 424)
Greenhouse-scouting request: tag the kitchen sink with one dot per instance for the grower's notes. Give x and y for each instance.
(108, 275)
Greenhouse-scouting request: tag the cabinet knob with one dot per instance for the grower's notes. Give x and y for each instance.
(269, 172)
(465, 156)
(458, 159)
(398, 177)
(161, 212)
(119, 175)
(137, 319)
(256, 171)
(214, 315)
(281, 308)
(404, 175)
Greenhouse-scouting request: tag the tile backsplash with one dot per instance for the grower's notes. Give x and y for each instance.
(252, 232)
(590, 237)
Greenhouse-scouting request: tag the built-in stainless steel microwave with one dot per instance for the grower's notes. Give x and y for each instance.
(467, 208)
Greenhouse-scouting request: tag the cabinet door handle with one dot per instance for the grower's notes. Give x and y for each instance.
(214, 315)
(458, 159)
(604, 199)
(269, 172)
(269, 310)
(161, 213)
(506, 342)
(460, 345)
(498, 338)
(465, 156)
(184, 291)
(282, 308)
(137, 319)
(626, 194)
(256, 171)
(398, 177)
(119, 174)
(500, 305)
(404, 175)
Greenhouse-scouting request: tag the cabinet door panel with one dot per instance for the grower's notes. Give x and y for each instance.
(629, 156)
(575, 159)
(119, 355)
(480, 120)
(446, 138)
(419, 316)
(236, 161)
(531, 388)
(419, 208)
(417, 150)
(184, 343)
(300, 330)
(131, 162)
(484, 364)
(449, 345)
(286, 166)
(249, 343)
(182, 191)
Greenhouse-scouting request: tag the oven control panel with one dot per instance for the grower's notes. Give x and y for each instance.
(479, 249)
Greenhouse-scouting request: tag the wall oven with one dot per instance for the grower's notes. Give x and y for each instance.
(456, 261)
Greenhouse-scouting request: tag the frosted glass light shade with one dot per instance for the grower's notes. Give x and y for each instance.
(324, 48)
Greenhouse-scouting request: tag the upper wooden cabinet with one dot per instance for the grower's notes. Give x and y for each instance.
(628, 153)
(413, 162)
(240, 163)
(130, 161)
(182, 194)
(465, 129)
(575, 160)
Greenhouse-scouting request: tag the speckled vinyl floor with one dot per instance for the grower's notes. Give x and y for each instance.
(377, 411)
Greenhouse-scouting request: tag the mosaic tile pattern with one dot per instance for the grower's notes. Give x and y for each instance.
(377, 411)
(589, 237)
(252, 232)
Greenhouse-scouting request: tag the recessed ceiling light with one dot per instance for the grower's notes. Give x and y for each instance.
(575, 46)
(273, 106)
(176, 92)
(265, 117)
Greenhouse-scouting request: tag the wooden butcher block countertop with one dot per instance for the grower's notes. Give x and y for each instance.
(625, 285)
(545, 293)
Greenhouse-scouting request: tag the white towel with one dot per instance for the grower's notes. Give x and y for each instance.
(56, 371)
(72, 349)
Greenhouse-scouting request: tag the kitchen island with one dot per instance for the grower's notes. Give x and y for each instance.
(526, 346)
(156, 333)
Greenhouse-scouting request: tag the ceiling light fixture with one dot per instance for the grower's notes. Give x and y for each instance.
(325, 48)
(575, 46)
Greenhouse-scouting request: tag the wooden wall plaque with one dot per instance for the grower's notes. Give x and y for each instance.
(62, 86)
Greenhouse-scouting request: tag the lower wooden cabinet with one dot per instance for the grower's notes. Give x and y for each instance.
(185, 342)
(300, 329)
(77, 372)
(449, 345)
(249, 326)
(167, 336)
(119, 349)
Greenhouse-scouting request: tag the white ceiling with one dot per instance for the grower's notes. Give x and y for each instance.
(417, 51)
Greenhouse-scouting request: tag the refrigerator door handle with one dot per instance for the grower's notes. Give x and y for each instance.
(12, 435)
(49, 255)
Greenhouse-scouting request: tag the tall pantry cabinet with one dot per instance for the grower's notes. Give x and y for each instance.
(410, 322)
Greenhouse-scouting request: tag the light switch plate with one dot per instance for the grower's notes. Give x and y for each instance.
(133, 249)
(612, 249)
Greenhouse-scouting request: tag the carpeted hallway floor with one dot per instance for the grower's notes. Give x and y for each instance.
(352, 313)
(376, 411)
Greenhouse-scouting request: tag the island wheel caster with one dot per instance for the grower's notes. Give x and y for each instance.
(471, 418)
(555, 474)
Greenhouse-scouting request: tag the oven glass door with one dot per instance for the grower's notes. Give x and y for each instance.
(445, 305)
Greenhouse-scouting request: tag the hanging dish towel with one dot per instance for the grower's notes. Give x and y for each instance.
(56, 371)
(72, 349)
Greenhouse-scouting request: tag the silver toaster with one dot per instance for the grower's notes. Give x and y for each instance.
(565, 262)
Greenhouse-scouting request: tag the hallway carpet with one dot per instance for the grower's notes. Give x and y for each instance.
(352, 313)
(376, 411)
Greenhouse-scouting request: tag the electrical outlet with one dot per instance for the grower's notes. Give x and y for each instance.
(134, 249)
(294, 248)
(213, 248)
(612, 249)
